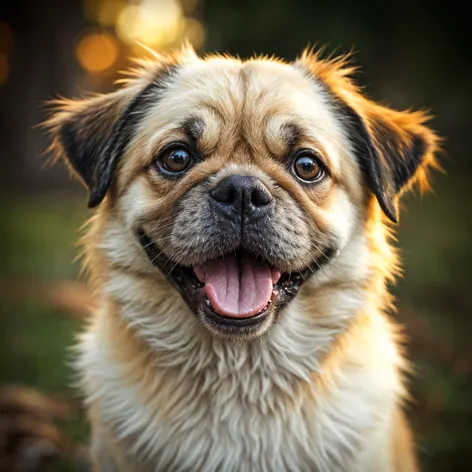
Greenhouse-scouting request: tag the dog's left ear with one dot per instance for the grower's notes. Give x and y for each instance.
(394, 149)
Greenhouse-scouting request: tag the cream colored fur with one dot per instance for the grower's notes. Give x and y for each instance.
(323, 389)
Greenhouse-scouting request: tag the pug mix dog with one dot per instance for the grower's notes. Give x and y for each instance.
(240, 252)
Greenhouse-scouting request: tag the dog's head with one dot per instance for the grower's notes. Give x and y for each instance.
(239, 180)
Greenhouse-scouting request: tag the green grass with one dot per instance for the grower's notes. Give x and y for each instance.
(40, 237)
(38, 240)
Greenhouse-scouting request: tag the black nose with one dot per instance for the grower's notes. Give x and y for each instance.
(241, 194)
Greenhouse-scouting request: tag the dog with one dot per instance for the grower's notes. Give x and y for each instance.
(240, 252)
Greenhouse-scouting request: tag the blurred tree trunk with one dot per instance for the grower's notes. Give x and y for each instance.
(42, 66)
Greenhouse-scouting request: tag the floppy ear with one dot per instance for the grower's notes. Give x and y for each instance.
(92, 134)
(394, 149)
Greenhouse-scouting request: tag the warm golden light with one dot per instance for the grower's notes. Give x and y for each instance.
(189, 6)
(194, 32)
(154, 23)
(4, 68)
(97, 52)
(157, 24)
(109, 11)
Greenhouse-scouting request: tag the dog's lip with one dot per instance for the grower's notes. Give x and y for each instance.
(240, 321)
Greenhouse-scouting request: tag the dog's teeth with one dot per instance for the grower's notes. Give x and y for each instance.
(292, 291)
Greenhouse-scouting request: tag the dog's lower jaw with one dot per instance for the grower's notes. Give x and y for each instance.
(198, 403)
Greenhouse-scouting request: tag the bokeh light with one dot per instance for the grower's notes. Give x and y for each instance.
(97, 52)
(109, 11)
(189, 6)
(194, 32)
(152, 23)
(158, 24)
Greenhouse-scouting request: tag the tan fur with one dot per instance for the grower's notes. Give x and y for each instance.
(322, 389)
(336, 73)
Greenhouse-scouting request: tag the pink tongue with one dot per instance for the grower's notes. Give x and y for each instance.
(237, 290)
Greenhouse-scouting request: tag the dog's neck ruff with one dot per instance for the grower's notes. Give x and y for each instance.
(303, 397)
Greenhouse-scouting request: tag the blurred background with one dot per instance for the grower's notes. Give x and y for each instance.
(412, 54)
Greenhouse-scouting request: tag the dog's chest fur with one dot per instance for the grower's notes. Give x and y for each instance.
(275, 404)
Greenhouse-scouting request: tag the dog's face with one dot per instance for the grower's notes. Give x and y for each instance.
(239, 180)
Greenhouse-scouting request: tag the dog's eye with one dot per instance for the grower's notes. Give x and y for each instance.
(174, 160)
(308, 167)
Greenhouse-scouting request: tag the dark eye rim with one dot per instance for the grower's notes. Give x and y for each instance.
(168, 148)
(315, 155)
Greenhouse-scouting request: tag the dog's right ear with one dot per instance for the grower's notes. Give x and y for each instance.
(91, 135)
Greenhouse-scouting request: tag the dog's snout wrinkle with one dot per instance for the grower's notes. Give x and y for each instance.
(241, 196)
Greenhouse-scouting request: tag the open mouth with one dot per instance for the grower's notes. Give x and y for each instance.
(238, 285)
(236, 293)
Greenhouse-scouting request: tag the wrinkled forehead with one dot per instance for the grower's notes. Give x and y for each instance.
(262, 99)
